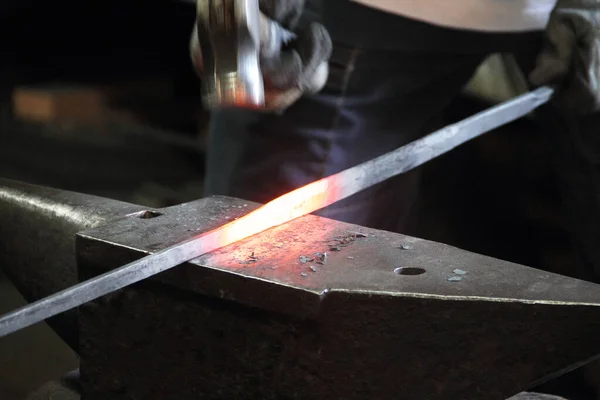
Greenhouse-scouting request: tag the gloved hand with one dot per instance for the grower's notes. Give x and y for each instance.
(299, 67)
(571, 56)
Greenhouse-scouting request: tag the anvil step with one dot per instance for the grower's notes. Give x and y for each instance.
(382, 316)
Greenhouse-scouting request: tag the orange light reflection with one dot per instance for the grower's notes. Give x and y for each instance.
(286, 208)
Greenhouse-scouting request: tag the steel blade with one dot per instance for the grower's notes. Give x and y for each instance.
(290, 206)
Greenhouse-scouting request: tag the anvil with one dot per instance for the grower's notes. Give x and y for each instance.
(312, 309)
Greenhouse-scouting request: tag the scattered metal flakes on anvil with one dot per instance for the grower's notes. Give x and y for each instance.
(305, 259)
(459, 272)
(251, 259)
(455, 278)
(359, 234)
(313, 268)
(321, 258)
(406, 247)
(304, 274)
(342, 241)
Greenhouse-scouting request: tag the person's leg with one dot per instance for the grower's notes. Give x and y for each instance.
(390, 78)
(575, 146)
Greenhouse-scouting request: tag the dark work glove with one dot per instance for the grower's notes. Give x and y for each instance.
(300, 66)
(571, 56)
(286, 13)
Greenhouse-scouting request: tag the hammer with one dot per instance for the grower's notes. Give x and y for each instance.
(232, 35)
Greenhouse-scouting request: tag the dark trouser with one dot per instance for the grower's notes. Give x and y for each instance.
(390, 80)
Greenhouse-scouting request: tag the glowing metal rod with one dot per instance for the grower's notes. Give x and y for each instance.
(288, 207)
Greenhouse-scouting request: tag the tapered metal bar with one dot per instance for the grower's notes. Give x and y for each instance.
(286, 208)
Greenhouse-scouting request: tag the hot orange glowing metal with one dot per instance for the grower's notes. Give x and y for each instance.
(288, 207)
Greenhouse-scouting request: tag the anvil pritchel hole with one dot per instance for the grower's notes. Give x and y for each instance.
(409, 271)
(148, 214)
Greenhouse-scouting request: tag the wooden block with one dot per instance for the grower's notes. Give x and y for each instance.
(49, 104)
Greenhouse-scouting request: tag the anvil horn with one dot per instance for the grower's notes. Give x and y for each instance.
(38, 226)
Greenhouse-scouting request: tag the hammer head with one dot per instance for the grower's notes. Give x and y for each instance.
(229, 36)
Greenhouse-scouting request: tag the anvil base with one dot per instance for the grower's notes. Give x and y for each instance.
(314, 309)
(318, 309)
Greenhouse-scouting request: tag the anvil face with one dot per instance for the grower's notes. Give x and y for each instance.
(319, 309)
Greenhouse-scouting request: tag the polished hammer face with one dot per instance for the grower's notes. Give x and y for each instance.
(229, 38)
(323, 309)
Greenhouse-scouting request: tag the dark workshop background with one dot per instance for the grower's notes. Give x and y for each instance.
(99, 97)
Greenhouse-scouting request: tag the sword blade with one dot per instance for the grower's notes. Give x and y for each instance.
(288, 207)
